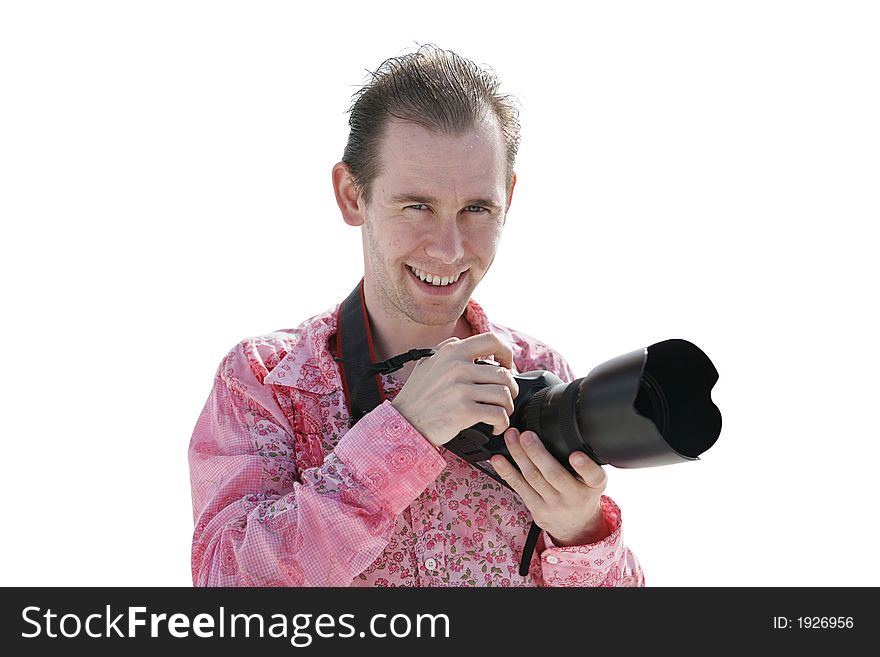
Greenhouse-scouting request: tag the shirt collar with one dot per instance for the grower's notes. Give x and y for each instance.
(309, 365)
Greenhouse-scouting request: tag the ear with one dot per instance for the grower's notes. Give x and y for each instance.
(510, 194)
(509, 197)
(347, 195)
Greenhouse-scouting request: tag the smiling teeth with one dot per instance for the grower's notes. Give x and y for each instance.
(435, 280)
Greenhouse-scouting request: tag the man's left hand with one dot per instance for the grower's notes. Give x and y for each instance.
(566, 507)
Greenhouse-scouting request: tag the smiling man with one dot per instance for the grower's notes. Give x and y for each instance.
(291, 487)
(432, 222)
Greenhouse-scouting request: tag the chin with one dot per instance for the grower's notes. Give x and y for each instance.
(433, 320)
(435, 314)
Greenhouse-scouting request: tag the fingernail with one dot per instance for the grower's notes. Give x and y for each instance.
(510, 437)
(579, 459)
(528, 438)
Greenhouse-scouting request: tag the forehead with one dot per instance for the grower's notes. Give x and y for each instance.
(415, 159)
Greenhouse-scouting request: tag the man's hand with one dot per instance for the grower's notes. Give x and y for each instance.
(449, 392)
(566, 507)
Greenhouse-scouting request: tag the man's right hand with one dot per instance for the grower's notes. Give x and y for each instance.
(449, 392)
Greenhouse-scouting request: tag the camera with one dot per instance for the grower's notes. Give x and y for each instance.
(649, 407)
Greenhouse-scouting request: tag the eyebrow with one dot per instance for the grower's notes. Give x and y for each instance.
(431, 200)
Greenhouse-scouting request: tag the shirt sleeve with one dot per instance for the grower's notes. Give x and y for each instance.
(607, 562)
(260, 522)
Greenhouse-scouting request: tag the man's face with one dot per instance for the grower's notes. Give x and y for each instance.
(437, 209)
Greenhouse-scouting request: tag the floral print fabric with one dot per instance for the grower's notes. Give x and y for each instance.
(285, 494)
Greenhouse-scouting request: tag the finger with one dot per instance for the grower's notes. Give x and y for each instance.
(515, 480)
(528, 468)
(495, 416)
(500, 375)
(590, 472)
(487, 393)
(447, 341)
(490, 414)
(487, 343)
(556, 475)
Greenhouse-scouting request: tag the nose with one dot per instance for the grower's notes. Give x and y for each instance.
(445, 242)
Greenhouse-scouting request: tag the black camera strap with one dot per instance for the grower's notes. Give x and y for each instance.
(361, 380)
(362, 385)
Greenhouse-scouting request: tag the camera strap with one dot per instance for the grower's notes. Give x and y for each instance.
(361, 380)
(362, 385)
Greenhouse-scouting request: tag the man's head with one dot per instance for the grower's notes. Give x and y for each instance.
(428, 173)
(434, 88)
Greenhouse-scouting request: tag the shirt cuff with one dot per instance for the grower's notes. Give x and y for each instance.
(585, 554)
(390, 457)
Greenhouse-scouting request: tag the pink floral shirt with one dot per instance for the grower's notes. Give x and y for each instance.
(285, 494)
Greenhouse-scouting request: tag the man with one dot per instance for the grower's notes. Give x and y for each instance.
(285, 493)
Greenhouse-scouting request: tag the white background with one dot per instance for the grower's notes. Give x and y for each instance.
(702, 170)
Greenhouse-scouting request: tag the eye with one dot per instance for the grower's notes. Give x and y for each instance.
(418, 206)
(476, 209)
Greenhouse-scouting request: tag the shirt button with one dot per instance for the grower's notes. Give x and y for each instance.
(552, 559)
(430, 563)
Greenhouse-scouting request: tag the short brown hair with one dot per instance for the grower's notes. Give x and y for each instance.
(431, 87)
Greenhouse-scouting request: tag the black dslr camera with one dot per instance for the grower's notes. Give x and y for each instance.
(649, 407)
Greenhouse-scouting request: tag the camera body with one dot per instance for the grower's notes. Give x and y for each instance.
(477, 443)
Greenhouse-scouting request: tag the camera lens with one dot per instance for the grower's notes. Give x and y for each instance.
(651, 404)
(649, 407)
(646, 408)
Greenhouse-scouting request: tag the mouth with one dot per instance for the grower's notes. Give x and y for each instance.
(434, 283)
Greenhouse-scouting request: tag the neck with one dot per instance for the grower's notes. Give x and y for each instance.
(395, 334)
